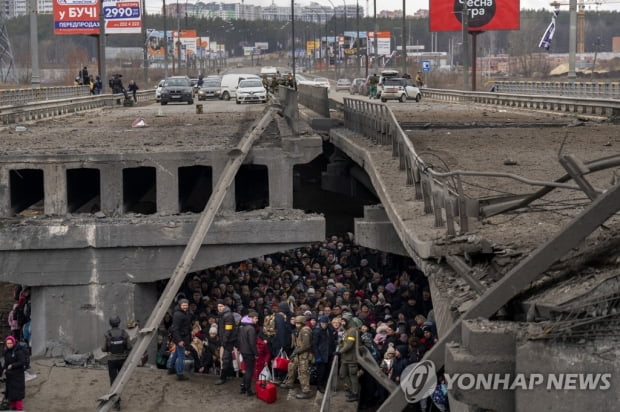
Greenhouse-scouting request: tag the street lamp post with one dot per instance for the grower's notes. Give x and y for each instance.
(293, 34)
(375, 32)
(404, 39)
(357, 35)
(344, 36)
(165, 43)
(335, 39)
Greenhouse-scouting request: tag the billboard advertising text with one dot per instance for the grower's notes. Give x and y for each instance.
(483, 15)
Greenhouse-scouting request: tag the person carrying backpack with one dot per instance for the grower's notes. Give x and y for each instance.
(117, 344)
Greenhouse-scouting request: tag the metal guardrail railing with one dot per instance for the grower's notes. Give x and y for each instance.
(43, 109)
(10, 97)
(442, 192)
(603, 90)
(577, 105)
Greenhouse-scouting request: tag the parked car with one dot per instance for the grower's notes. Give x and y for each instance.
(177, 89)
(210, 88)
(251, 90)
(385, 74)
(343, 84)
(400, 89)
(356, 84)
(160, 86)
(230, 83)
(322, 81)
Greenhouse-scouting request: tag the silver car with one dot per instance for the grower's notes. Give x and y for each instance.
(400, 89)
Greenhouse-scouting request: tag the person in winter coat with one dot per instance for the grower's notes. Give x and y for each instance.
(227, 332)
(13, 370)
(283, 338)
(181, 335)
(201, 355)
(247, 347)
(263, 354)
(323, 346)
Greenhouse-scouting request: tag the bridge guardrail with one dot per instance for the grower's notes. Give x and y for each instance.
(42, 109)
(10, 97)
(442, 192)
(604, 90)
(579, 105)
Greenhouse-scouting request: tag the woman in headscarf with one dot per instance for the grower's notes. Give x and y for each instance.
(13, 370)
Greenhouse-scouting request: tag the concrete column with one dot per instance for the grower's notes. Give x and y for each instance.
(229, 200)
(55, 189)
(112, 189)
(73, 318)
(280, 175)
(167, 181)
(5, 193)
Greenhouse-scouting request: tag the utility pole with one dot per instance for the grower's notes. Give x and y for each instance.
(178, 43)
(34, 45)
(465, 12)
(375, 33)
(404, 40)
(144, 36)
(293, 34)
(572, 39)
(357, 34)
(165, 43)
(101, 59)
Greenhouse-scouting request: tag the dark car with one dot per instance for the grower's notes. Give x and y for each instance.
(177, 89)
(210, 89)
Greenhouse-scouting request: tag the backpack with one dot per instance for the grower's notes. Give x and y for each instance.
(269, 326)
(117, 341)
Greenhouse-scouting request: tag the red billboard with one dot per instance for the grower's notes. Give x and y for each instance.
(483, 15)
(76, 17)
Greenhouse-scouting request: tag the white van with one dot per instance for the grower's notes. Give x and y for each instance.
(228, 89)
(269, 71)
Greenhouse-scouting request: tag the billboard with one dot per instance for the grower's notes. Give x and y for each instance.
(122, 17)
(76, 17)
(483, 15)
(82, 16)
(383, 42)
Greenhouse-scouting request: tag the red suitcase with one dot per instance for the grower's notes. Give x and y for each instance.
(266, 391)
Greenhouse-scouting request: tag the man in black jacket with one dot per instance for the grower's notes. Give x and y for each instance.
(181, 335)
(117, 344)
(323, 346)
(227, 330)
(247, 347)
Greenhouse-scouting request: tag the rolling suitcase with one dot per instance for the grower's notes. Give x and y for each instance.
(266, 391)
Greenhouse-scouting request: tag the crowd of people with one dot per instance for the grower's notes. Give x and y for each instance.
(310, 305)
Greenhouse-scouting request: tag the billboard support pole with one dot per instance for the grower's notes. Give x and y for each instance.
(101, 49)
(465, 48)
(474, 56)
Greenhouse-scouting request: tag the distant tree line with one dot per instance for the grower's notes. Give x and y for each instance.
(238, 33)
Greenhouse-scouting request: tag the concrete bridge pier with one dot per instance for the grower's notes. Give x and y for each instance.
(73, 315)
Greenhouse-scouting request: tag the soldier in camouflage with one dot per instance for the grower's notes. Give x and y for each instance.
(300, 359)
(348, 358)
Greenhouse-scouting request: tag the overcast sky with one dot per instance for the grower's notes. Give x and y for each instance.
(412, 6)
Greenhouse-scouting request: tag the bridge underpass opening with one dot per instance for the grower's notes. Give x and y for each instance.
(340, 207)
(195, 188)
(83, 190)
(27, 190)
(251, 188)
(139, 190)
